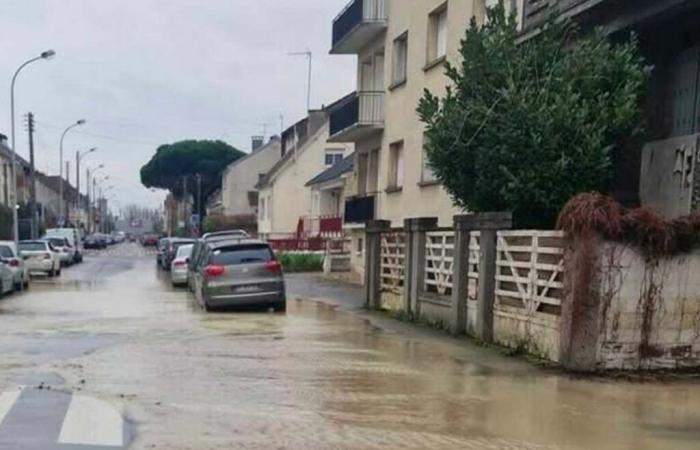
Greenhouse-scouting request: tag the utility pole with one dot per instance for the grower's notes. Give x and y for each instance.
(33, 216)
(184, 199)
(309, 56)
(67, 212)
(199, 203)
(88, 198)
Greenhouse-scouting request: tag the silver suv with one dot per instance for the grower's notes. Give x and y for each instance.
(239, 273)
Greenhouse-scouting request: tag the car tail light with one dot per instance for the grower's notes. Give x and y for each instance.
(179, 263)
(214, 270)
(14, 262)
(274, 266)
(47, 256)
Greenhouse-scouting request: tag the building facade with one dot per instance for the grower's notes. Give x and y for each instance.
(238, 193)
(285, 200)
(402, 47)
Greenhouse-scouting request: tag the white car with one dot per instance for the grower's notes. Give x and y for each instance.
(10, 256)
(39, 256)
(179, 266)
(65, 251)
(7, 279)
(75, 239)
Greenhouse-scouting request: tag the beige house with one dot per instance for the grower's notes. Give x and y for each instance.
(238, 194)
(402, 47)
(285, 200)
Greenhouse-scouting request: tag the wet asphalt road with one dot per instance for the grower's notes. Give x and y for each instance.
(109, 356)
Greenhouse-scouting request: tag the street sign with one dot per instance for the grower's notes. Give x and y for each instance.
(42, 419)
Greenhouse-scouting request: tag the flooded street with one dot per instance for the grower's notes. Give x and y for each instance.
(163, 374)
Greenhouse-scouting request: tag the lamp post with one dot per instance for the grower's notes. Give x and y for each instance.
(78, 157)
(13, 197)
(60, 165)
(89, 194)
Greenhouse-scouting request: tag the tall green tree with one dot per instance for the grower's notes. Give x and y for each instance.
(525, 126)
(185, 163)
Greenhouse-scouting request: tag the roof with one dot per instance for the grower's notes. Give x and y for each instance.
(335, 172)
(325, 112)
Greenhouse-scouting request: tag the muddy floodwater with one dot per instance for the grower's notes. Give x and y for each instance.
(322, 376)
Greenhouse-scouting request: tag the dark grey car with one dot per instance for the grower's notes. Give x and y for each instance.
(239, 273)
(200, 245)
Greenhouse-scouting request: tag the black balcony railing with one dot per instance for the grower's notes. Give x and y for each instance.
(347, 20)
(345, 116)
(359, 209)
(365, 108)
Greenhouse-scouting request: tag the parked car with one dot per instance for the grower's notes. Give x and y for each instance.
(170, 250)
(10, 256)
(162, 243)
(95, 241)
(197, 251)
(178, 268)
(149, 240)
(239, 273)
(40, 256)
(7, 279)
(119, 236)
(65, 251)
(75, 239)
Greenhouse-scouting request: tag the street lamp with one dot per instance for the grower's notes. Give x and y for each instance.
(78, 157)
(60, 163)
(43, 56)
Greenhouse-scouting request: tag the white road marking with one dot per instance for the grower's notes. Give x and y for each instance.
(90, 421)
(7, 400)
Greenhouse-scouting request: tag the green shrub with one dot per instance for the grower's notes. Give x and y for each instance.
(301, 262)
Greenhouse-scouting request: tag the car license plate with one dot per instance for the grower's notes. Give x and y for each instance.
(247, 289)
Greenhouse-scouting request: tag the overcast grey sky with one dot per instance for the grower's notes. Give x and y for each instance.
(149, 72)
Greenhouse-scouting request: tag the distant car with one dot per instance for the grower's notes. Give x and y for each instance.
(238, 273)
(64, 249)
(119, 237)
(7, 279)
(170, 250)
(40, 256)
(95, 241)
(75, 239)
(149, 240)
(178, 268)
(10, 256)
(161, 250)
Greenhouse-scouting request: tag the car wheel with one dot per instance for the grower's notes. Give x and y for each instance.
(281, 307)
(51, 273)
(58, 274)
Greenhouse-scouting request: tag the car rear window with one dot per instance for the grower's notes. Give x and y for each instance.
(185, 251)
(32, 246)
(57, 242)
(241, 254)
(6, 252)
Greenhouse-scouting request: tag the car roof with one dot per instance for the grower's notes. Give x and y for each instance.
(215, 234)
(230, 242)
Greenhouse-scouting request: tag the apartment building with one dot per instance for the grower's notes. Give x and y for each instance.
(402, 47)
(286, 204)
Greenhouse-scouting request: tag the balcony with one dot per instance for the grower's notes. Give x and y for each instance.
(356, 26)
(359, 118)
(359, 210)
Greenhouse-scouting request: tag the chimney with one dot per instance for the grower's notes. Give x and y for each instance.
(258, 141)
(3, 139)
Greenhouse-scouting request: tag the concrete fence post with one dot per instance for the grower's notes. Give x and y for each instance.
(373, 261)
(488, 224)
(463, 226)
(416, 229)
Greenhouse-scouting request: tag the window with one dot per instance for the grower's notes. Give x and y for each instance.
(427, 175)
(437, 34)
(360, 245)
(332, 157)
(400, 59)
(396, 165)
(263, 208)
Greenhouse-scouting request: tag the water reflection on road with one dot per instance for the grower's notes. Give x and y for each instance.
(317, 377)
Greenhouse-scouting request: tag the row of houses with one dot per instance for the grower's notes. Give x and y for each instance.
(362, 158)
(78, 209)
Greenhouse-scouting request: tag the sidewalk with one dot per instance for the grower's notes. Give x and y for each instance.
(316, 287)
